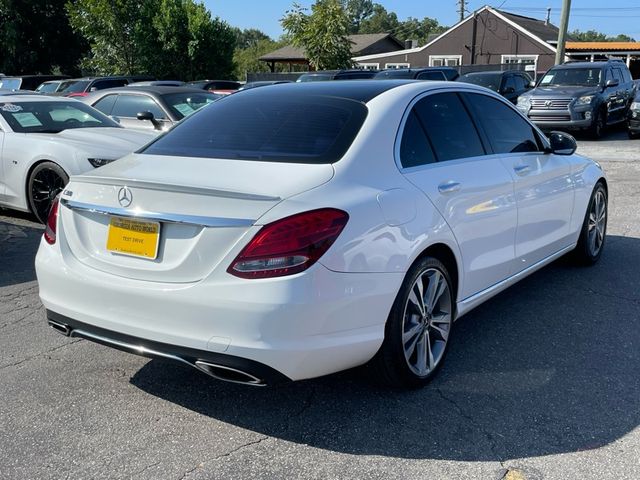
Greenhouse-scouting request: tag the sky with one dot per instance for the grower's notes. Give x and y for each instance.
(619, 16)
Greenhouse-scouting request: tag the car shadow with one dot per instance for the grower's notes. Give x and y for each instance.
(18, 246)
(549, 366)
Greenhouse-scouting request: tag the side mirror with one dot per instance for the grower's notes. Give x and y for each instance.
(613, 82)
(146, 115)
(562, 143)
(508, 90)
(93, 89)
(532, 84)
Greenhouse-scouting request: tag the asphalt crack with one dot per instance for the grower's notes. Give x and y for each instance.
(493, 446)
(51, 350)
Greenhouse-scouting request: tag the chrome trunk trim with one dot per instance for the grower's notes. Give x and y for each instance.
(160, 217)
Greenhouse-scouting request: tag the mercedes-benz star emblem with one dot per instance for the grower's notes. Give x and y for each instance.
(125, 197)
(547, 103)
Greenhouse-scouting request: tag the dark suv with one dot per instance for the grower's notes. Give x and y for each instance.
(580, 96)
(323, 75)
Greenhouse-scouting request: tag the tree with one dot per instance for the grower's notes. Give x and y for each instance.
(323, 34)
(36, 37)
(358, 11)
(595, 36)
(381, 20)
(165, 38)
(117, 32)
(246, 59)
(249, 37)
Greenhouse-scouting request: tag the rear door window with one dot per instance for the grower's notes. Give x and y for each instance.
(105, 104)
(258, 126)
(415, 149)
(449, 127)
(506, 130)
(102, 84)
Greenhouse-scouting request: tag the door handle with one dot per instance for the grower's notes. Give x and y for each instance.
(522, 169)
(449, 187)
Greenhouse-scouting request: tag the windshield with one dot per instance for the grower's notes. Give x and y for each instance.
(489, 80)
(256, 125)
(10, 83)
(572, 76)
(184, 104)
(48, 87)
(73, 86)
(52, 117)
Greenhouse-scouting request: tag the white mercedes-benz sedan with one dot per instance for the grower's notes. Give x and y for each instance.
(44, 140)
(294, 231)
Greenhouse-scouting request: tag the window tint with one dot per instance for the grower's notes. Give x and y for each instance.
(255, 125)
(609, 75)
(105, 104)
(431, 76)
(509, 82)
(449, 127)
(414, 147)
(131, 105)
(617, 74)
(520, 82)
(507, 131)
(102, 84)
(626, 75)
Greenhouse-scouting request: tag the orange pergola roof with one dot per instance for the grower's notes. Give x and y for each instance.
(608, 46)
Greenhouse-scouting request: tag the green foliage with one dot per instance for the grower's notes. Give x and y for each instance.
(380, 20)
(246, 59)
(165, 38)
(35, 37)
(249, 37)
(323, 34)
(358, 11)
(595, 36)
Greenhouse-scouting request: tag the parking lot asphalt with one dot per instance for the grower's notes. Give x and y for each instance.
(542, 382)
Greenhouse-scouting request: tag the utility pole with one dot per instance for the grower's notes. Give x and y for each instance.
(562, 33)
(463, 8)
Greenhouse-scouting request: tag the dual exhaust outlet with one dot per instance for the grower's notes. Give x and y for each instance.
(217, 371)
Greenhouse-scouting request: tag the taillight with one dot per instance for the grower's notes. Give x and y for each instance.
(52, 222)
(290, 245)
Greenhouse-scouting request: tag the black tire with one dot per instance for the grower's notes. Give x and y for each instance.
(585, 253)
(391, 365)
(633, 135)
(598, 124)
(45, 182)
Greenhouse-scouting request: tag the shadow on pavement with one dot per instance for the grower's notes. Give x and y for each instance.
(549, 366)
(18, 246)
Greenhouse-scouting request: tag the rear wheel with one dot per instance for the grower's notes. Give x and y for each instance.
(594, 228)
(46, 181)
(419, 327)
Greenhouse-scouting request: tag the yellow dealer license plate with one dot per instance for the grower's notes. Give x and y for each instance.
(138, 238)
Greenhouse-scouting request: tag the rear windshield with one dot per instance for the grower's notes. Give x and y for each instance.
(73, 86)
(48, 87)
(184, 104)
(256, 126)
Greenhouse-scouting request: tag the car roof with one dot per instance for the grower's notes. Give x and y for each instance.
(358, 90)
(152, 89)
(34, 97)
(488, 72)
(584, 65)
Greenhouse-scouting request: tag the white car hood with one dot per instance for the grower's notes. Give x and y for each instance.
(110, 137)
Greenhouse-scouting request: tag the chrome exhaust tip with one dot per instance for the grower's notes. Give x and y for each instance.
(60, 327)
(228, 374)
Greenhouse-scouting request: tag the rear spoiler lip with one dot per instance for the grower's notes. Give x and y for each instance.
(169, 187)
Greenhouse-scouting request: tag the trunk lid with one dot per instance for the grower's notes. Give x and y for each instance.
(203, 207)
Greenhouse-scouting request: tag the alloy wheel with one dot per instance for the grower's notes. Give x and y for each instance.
(45, 186)
(597, 223)
(427, 322)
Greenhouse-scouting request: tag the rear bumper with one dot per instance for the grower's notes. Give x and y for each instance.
(229, 367)
(303, 326)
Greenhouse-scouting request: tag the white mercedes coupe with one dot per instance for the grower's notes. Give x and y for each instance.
(44, 140)
(294, 231)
